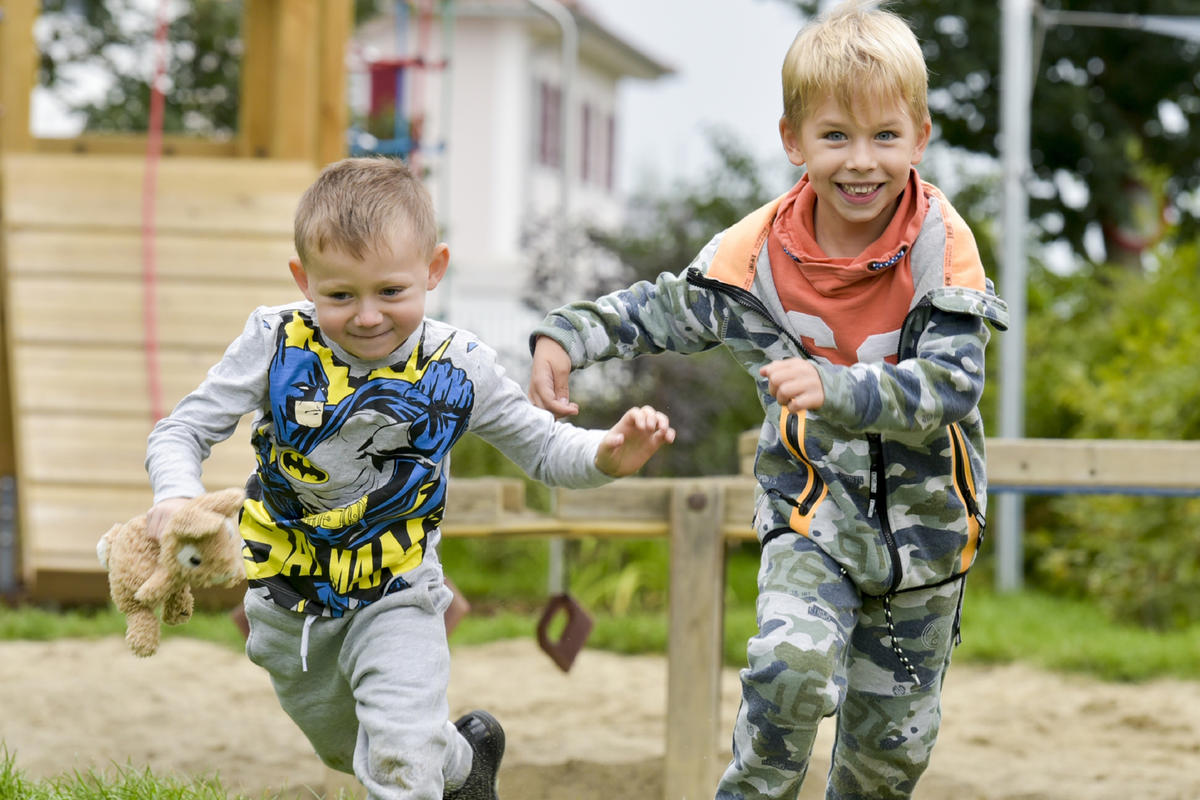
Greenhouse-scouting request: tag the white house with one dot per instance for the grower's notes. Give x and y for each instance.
(482, 95)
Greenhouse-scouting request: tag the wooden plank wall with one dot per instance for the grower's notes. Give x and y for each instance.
(73, 323)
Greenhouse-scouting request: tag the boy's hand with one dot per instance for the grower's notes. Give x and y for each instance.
(630, 443)
(158, 516)
(549, 385)
(794, 383)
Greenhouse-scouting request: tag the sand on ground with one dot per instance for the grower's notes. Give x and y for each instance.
(1009, 732)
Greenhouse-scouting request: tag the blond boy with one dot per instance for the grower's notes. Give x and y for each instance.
(858, 302)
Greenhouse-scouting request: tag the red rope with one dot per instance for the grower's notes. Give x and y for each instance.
(149, 198)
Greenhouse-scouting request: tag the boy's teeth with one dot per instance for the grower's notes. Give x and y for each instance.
(859, 189)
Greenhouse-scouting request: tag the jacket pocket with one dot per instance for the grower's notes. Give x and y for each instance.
(964, 487)
(804, 503)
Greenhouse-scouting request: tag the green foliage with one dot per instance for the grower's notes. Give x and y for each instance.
(115, 38)
(1111, 356)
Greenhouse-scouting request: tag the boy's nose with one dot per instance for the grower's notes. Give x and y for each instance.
(368, 316)
(861, 157)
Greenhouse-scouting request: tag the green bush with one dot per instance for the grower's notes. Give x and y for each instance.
(1113, 356)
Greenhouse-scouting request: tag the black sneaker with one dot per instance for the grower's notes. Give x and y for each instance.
(486, 738)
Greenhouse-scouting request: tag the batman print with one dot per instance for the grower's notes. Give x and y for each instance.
(352, 469)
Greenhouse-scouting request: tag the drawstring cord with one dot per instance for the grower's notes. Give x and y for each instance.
(309, 619)
(891, 626)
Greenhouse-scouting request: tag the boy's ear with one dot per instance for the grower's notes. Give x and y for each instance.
(299, 276)
(438, 265)
(923, 135)
(791, 142)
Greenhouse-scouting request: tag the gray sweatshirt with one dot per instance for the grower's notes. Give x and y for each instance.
(353, 456)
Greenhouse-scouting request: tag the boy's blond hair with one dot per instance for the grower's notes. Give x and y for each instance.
(856, 51)
(355, 205)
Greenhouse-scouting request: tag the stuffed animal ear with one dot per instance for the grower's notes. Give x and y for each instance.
(204, 514)
(193, 524)
(224, 502)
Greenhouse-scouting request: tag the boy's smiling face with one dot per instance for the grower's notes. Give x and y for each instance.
(371, 305)
(858, 164)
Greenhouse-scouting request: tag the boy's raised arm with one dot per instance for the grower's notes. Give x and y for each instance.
(549, 384)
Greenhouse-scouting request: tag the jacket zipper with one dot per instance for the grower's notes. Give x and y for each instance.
(696, 278)
(878, 506)
(960, 477)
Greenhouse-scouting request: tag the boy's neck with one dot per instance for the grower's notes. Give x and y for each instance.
(837, 239)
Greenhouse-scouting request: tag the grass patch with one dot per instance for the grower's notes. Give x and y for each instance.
(42, 625)
(1071, 636)
(121, 783)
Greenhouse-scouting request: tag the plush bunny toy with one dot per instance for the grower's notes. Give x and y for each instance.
(200, 547)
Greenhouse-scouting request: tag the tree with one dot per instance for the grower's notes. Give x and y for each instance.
(1114, 111)
(115, 38)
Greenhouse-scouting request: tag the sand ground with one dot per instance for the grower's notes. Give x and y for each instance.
(1009, 732)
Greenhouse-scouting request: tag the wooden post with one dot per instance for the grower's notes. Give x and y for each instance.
(18, 73)
(293, 92)
(335, 29)
(257, 82)
(294, 101)
(696, 620)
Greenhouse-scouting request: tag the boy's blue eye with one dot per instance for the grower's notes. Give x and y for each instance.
(887, 136)
(392, 291)
(836, 136)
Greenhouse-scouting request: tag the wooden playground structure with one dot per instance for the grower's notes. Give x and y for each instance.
(76, 376)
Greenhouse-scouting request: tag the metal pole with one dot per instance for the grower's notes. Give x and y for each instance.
(1016, 88)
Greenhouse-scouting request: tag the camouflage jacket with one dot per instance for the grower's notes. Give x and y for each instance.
(887, 476)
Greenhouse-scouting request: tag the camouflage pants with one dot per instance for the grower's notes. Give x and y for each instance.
(823, 649)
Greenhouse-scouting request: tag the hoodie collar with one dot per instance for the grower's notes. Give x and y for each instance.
(795, 231)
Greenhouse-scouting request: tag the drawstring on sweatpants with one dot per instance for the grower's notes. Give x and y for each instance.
(891, 625)
(309, 619)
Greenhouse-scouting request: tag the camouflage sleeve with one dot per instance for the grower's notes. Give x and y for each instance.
(645, 318)
(940, 384)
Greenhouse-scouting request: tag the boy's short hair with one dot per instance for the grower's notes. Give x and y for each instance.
(355, 205)
(853, 51)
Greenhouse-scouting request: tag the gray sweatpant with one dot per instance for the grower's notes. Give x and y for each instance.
(369, 689)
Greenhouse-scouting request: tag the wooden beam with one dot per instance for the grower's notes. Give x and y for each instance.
(18, 73)
(1094, 464)
(695, 632)
(134, 144)
(1064, 464)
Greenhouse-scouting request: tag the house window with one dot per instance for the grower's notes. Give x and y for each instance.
(610, 150)
(585, 145)
(549, 142)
